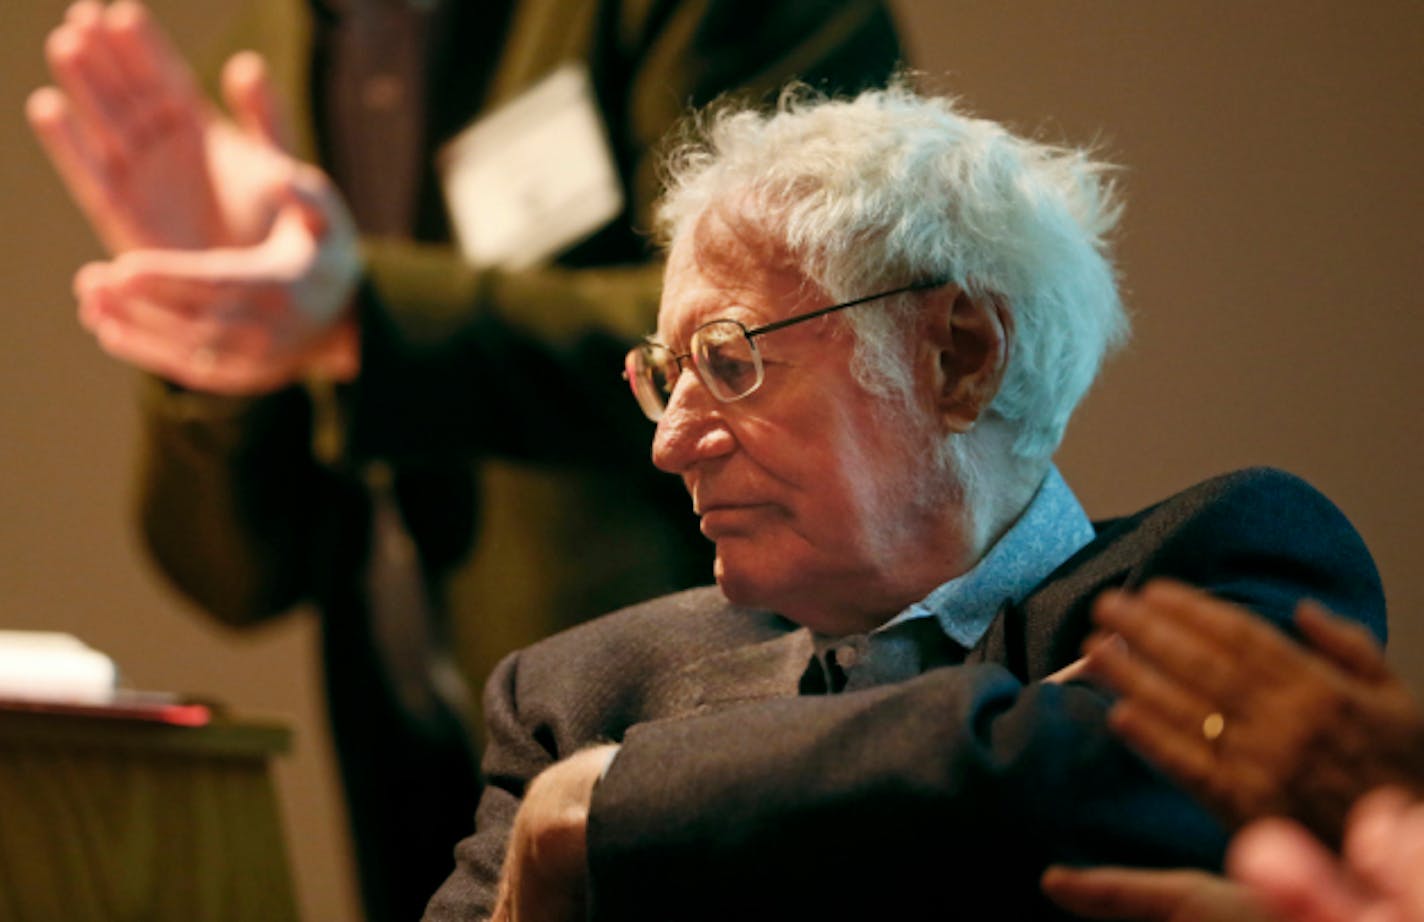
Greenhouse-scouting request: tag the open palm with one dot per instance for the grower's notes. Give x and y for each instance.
(140, 148)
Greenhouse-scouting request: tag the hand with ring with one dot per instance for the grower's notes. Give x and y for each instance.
(1248, 720)
(1213, 725)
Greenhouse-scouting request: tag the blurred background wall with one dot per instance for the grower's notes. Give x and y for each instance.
(1271, 255)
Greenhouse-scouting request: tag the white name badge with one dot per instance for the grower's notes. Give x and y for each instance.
(533, 177)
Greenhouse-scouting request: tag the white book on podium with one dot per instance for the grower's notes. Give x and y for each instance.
(51, 666)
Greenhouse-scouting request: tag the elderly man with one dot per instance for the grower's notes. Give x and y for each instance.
(877, 318)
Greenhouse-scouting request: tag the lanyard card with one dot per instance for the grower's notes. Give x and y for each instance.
(533, 177)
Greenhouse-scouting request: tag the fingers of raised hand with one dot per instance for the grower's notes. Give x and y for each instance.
(73, 154)
(1178, 748)
(126, 85)
(222, 368)
(148, 57)
(1182, 732)
(203, 335)
(1200, 639)
(188, 314)
(83, 64)
(253, 101)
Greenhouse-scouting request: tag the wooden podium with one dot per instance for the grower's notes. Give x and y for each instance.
(108, 819)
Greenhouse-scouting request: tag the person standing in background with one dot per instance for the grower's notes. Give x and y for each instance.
(398, 434)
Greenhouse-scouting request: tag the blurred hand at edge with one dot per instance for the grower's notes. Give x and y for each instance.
(1150, 895)
(1306, 728)
(1378, 878)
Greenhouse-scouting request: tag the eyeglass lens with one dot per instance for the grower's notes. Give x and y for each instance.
(647, 371)
(724, 358)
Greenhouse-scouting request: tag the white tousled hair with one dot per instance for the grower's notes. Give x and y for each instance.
(892, 187)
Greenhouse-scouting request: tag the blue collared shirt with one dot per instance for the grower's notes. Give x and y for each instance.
(1051, 529)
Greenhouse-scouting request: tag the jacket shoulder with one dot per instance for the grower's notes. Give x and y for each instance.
(1260, 537)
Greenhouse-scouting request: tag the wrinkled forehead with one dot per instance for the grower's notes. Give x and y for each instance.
(727, 264)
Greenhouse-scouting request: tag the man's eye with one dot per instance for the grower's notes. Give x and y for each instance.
(736, 372)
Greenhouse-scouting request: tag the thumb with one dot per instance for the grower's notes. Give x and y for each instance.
(315, 237)
(305, 203)
(309, 194)
(253, 100)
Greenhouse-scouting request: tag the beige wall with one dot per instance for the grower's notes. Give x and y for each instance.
(1271, 255)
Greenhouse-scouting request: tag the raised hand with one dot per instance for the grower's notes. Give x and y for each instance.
(149, 161)
(237, 320)
(235, 263)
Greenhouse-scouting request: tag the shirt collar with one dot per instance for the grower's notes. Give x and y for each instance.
(1051, 529)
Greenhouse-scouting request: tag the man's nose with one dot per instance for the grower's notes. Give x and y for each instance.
(691, 429)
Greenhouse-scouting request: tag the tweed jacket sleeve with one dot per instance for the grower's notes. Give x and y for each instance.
(661, 661)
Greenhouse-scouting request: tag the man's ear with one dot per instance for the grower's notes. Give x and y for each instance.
(970, 340)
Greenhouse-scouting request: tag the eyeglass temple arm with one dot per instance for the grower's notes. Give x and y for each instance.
(811, 315)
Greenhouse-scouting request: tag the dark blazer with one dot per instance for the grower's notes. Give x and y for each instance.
(940, 782)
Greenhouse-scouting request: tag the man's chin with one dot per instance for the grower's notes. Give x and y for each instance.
(742, 583)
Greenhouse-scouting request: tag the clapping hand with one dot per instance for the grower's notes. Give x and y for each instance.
(1250, 721)
(234, 262)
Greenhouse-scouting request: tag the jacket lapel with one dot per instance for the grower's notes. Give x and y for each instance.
(1045, 632)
